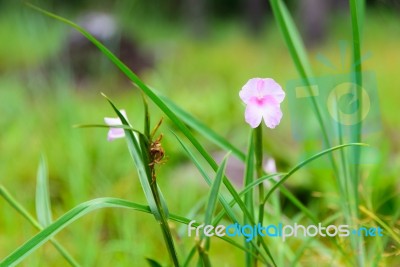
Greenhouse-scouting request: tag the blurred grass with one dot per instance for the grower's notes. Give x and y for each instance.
(38, 108)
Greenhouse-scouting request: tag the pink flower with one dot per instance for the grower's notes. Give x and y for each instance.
(263, 98)
(115, 133)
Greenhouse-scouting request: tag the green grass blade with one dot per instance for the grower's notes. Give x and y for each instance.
(213, 197)
(298, 53)
(43, 205)
(292, 37)
(324, 152)
(388, 229)
(207, 179)
(153, 263)
(69, 217)
(79, 211)
(21, 210)
(248, 188)
(249, 196)
(214, 192)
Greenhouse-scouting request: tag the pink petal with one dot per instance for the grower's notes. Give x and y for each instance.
(261, 87)
(249, 90)
(272, 115)
(270, 166)
(253, 115)
(112, 121)
(115, 133)
(272, 88)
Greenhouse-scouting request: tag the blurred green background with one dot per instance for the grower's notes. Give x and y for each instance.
(199, 53)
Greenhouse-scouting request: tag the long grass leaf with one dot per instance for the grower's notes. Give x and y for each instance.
(324, 152)
(22, 211)
(249, 196)
(214, 195)
(79, 211)
(43, 204)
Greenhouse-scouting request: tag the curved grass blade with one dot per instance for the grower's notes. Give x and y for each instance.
(324, 152)
(43, 204)
(21, 210)
(79, 211)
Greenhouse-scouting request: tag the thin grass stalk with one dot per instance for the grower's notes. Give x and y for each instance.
(21, 210)
(356, 10)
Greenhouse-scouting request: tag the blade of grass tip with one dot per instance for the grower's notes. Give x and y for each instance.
(326, 151)
(213, 197)
(207, 179)
(22, 211)
(249, 196)
(43, 203)
(153, 263)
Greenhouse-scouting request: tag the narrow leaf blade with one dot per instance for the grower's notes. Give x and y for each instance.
(43, 205)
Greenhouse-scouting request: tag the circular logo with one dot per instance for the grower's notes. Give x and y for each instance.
(353, 116)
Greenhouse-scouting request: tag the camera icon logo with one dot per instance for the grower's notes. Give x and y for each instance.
(342, 104)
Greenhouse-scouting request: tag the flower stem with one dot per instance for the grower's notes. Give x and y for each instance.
(259, 171)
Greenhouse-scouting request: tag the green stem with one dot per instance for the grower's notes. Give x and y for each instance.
(258, 147)
(356, 10)
(164, 225)
(21, 210)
